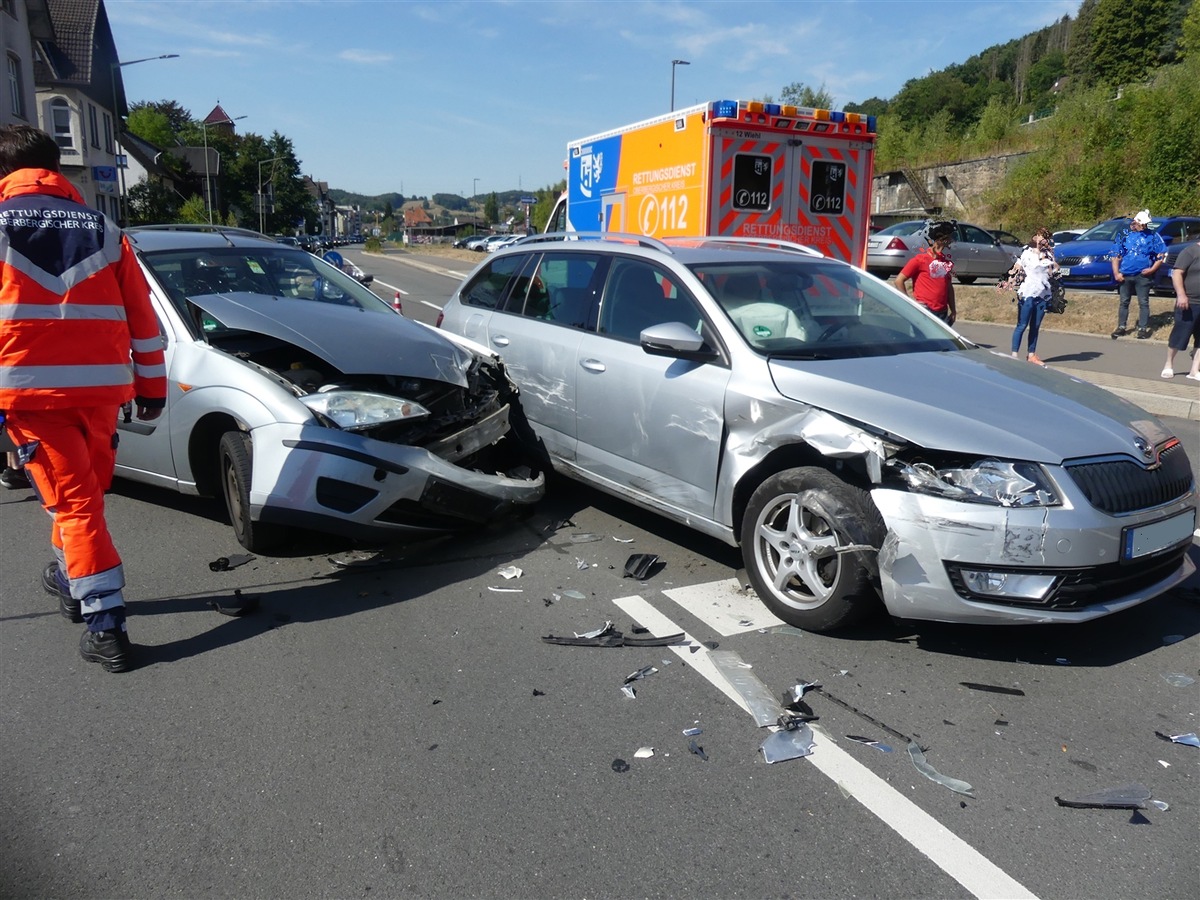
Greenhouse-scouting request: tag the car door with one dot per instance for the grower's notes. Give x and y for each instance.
(978, 254)
(651, 426)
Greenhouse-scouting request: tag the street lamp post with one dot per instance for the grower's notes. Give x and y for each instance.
(112, 70)
(207, 177)
(262, 205)
(674, 63)
(474, 194)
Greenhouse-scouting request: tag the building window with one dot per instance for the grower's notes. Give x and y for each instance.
(108, 133)
(93, 127)
(14, 87)
(60, 122)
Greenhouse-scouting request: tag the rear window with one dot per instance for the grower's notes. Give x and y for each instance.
(487, 288)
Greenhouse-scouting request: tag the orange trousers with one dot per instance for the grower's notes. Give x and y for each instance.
(69, 455)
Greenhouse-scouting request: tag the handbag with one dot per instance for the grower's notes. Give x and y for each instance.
(1057, 303)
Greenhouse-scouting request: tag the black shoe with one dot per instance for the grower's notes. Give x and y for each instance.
(111, 649)
(1120, 332)
(14, 479)
(1143, 333)
(52, 584)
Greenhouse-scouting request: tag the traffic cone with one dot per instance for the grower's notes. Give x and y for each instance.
(397, 305)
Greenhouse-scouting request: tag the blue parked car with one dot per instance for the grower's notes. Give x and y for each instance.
(1085, 263)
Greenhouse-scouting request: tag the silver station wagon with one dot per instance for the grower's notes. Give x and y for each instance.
(855, 447)
(306, 401)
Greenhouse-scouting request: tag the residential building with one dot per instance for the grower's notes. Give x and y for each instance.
(23, 24)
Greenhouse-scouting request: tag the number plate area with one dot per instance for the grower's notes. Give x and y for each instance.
(1066, 270)
(1142, 540)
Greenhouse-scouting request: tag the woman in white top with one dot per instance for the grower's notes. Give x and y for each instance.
(1033, 270)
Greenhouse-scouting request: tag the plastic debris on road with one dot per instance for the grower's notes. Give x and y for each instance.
(1127, 796)
(595, 632)
(697, 750)
(1178, 679)
(225, 563)
(619, 765)
(788, 743)
(923, 766)
(584, 537)
(786, 629)
(692, 732)
(643, 672)
(763, 706)
(878, 745)
(241, 605)
(611, 637)
(497, 590)
(511, 572)
(993, 688)
(622, 540)
(639, 565)
(1190, 738)
(643, 753)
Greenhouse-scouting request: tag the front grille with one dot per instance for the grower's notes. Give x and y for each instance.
(1124, 486)
(1081, 588)
(1070, 260)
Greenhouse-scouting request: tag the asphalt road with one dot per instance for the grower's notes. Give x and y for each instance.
(398, 728)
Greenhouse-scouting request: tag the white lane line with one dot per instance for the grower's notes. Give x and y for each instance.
(946, 850)
(432, 305)
(392, 287)
(723, 606)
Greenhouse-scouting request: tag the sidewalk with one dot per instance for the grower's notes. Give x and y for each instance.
(1127, 367)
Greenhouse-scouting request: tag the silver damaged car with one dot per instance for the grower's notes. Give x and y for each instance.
(305, 401)
(860, 452)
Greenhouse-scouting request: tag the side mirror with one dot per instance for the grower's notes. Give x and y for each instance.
(675, 339)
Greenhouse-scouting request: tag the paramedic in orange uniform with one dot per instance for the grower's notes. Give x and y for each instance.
(78, 339)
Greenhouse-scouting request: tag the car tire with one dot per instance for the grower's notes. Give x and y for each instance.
(967, 279)
(235, 460)
(792, 525)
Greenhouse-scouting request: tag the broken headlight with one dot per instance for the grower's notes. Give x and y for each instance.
(360, 410)
(991, 481)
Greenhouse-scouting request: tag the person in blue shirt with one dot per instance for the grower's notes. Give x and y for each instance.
(1136, 255)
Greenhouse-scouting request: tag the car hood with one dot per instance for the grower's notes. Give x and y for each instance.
(974, 402)
(1082, 248)
(353, 341)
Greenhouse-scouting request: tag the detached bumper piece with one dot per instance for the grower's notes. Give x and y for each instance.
(613, 638)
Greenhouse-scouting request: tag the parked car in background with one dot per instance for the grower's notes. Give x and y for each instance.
(1009, 241)
(288, 241)
(795, 405)
(1085, 262)
(461, 243)
(1067, 235)
(976, 253)
(310, 403)
(506, 240)
(1162, 278)
(477, 242)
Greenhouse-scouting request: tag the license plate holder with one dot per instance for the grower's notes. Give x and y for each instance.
(1143, 540)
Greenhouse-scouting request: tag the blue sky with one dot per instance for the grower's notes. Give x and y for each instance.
(463, 95)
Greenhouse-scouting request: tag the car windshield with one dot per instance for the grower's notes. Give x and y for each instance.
(815, 309)
(272, 270)
(1107, 231)
(903, 228)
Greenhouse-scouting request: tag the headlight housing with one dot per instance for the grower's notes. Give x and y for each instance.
(995, 482)
(360, 410)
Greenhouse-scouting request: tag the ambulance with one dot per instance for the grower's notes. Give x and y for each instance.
(728, 167)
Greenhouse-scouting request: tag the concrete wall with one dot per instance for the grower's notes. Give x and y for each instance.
(955, 189)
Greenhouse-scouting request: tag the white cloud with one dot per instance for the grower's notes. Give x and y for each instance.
(367, 57)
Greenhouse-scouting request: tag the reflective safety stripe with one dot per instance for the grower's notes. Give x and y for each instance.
(40, 377)
(18, 312)
(147, 345)
(101, 591)
(150, 371)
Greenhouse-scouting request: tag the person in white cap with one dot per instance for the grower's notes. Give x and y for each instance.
(1136, 255)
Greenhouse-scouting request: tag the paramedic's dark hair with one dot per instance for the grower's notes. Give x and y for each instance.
(26, 147)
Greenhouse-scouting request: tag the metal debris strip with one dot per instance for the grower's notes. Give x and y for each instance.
(595, 632)
(878, 745)
(225, 563)
(639, 565)
(242, 605)
(611, 637)
(923, 766)
(643, 672)
(357, 559)
(1190, 738)
(1178, 679)
(622, 540)
(511, 572)
(867, 716)
(993, 688)
(643, 753)
(506, 590)
(697, 750)
(788, 743)
(1127, 796)
(692, 732)
(763, 706)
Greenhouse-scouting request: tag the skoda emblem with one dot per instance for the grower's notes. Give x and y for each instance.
(1144, 449)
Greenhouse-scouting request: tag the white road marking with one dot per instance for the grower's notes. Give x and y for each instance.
(723, 606)
(946, 850)
(391, 287)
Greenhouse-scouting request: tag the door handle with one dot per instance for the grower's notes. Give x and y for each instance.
(593, 365)
(500, 340)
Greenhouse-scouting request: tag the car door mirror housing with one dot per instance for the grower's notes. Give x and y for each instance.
(674, 339)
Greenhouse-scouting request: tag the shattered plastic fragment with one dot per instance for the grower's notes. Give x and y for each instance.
(993, 688)
(356, 559)
(869, 742)
(1160, 804)
(697, 750)
(573, 595)
(918, 758)
(615, 638)
(765, 709)
(225, 563)
(639, 565)
(628, 691)
(1178, 679)
(1190, 738)
(790, 743)
(643, 753)
(1127, 796)
(643, 672)
(506, 590)
(596, 632)
(584, 537)
(622, 540)
(580, 564)
(1164, 764)
(692, 732)
(511, 572)
(785, 629)
(241, 605)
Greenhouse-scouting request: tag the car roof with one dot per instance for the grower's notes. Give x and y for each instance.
(150, 238)
(685, 250)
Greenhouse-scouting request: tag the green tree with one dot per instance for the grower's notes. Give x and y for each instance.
(1189, 41)
(546, 198)
(151, 124)
(150, 203)
(194, 211)
(800, 94)
(491, 209)
(177, 117)
(1127, 43)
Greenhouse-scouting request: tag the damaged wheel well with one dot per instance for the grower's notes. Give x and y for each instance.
(202, 451)
(851, 470)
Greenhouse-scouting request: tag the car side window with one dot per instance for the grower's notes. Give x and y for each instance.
(487, 289)
(562, 289)
(637, 296)
(969, 234)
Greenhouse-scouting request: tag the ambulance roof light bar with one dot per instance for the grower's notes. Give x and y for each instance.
(788, 116)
